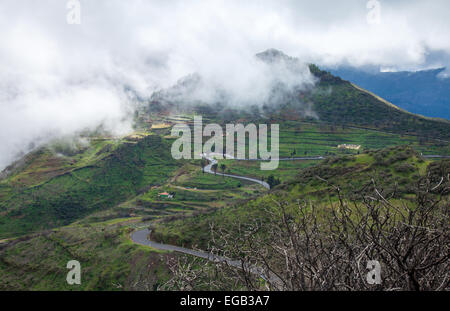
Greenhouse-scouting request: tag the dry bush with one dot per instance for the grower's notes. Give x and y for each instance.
(304, 247)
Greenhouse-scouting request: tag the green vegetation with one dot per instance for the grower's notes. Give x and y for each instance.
(286, 169)
(339, 102)
(394, 171)
(80, 199)
(196, 179)
(109, 260)
(312, 139)
(114, 177)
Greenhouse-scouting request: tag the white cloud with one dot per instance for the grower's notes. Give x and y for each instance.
(59, 78)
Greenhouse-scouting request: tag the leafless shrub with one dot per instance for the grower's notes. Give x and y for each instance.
(193, 273)
(299, 246)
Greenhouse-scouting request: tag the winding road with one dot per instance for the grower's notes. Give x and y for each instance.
(435, 157)
(141, 236)
(208, 169)
(212, 162)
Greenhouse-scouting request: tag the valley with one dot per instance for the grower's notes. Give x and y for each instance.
(86, 198)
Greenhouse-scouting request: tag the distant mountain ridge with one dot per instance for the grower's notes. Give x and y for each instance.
(338, 101)
(331, 99)
(423, 92)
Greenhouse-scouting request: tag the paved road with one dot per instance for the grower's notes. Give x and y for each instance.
(285, 159)
(212, 161)
(141, 237)
(208, 169)
(435, 157)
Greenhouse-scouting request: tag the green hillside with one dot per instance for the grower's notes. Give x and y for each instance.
(331, 101)
(108, 259)
(394, 172)
(340, 102)
(50, 190)
(81, 198)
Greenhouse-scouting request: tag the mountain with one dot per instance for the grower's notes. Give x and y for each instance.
(52, 187)
(423, 92)
(330, 100)
(342, 102)
(395, 172)
(332, 217)
(82, 199)
(57, 185)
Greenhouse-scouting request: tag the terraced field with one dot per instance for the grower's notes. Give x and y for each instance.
(84, 203)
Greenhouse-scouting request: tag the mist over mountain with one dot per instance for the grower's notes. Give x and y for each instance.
(271, 79)
(108, 182)
(425, 92)
(59, 79)
(292, 90)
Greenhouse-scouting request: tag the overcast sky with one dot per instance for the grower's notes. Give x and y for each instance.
(57, 78)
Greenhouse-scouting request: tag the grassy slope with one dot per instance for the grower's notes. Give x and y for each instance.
(335, 102)
(111, 176)
(31, 201)
(109, 260)
(338, 101)
(323, 139)
(346, 115)
(286, 169)
(394, 170)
